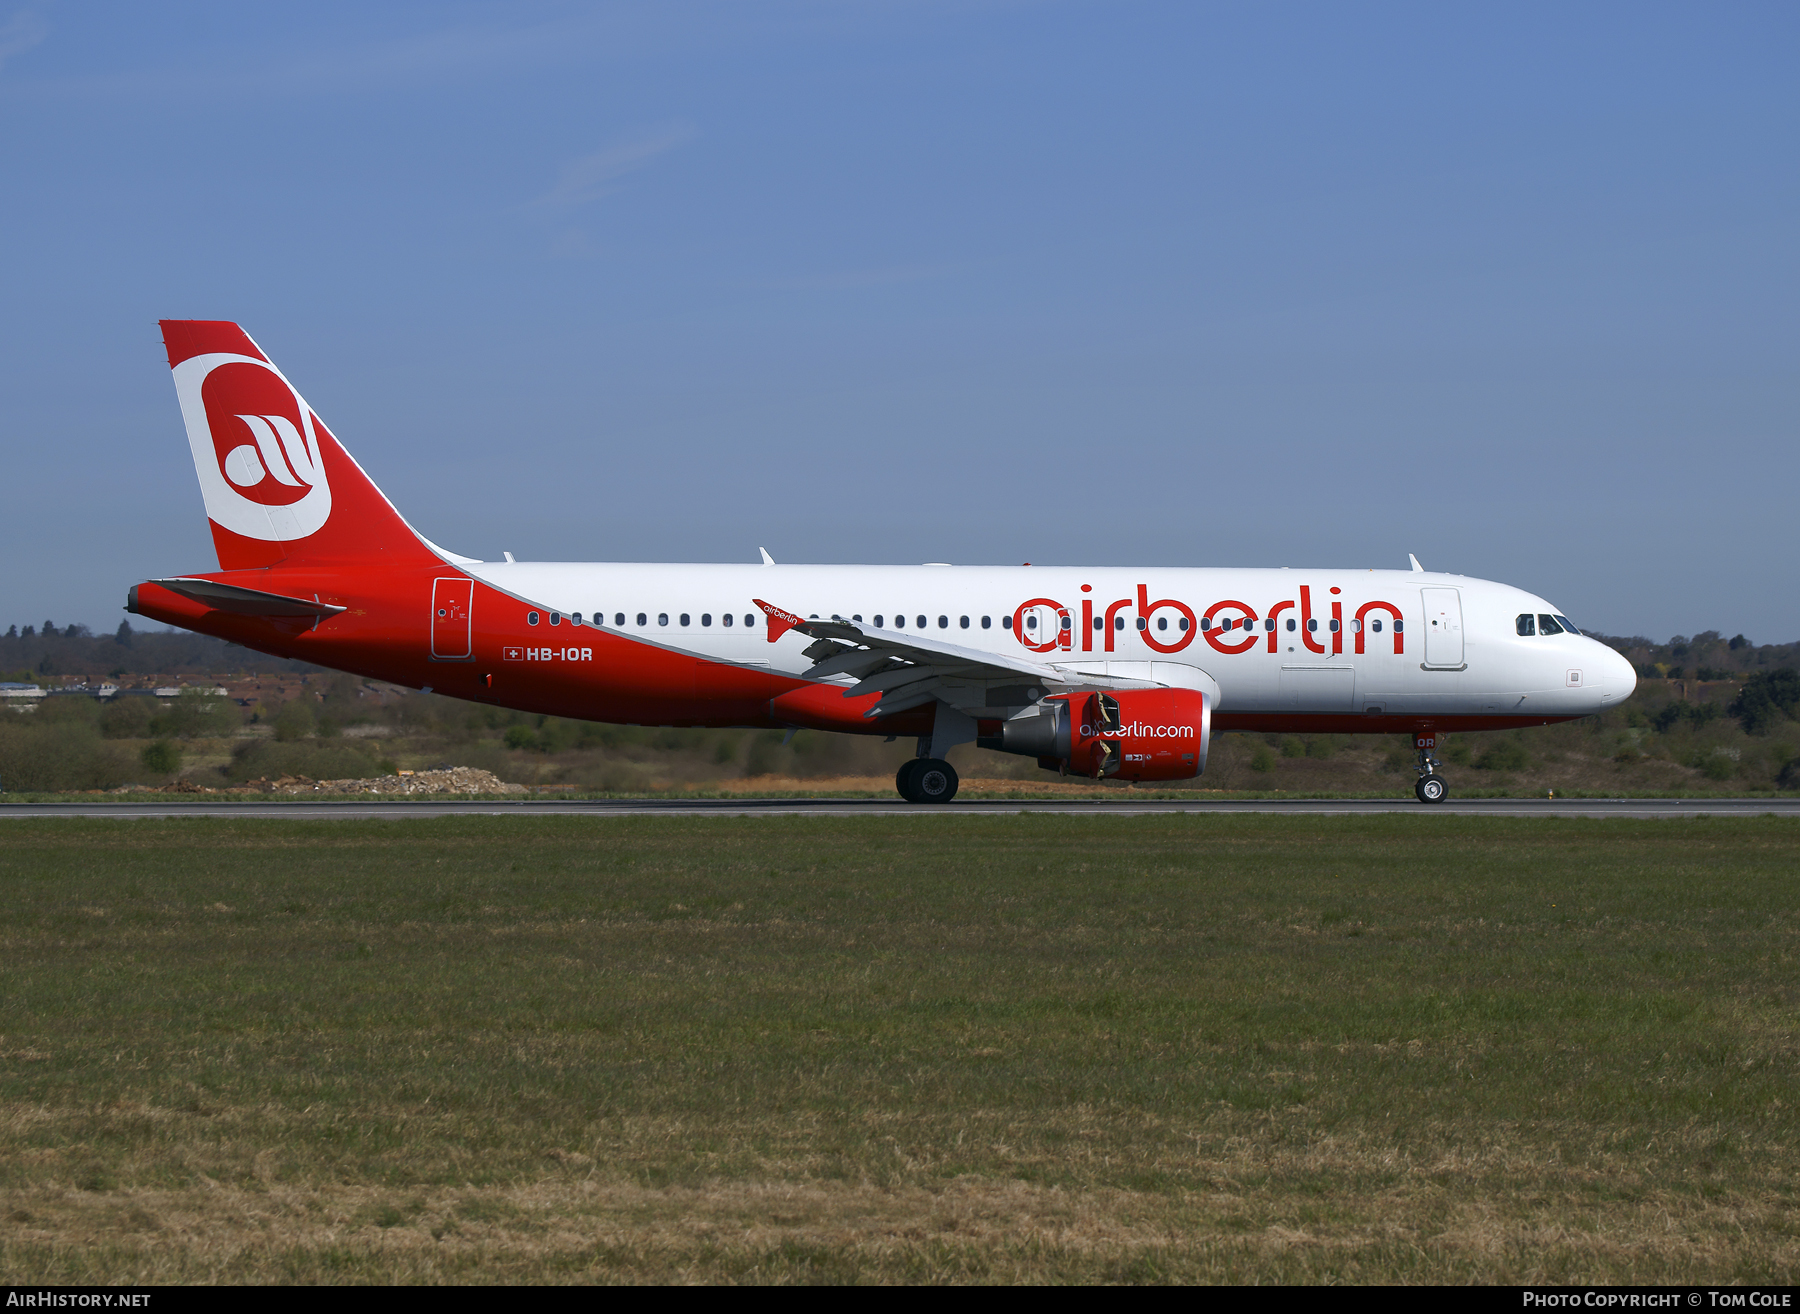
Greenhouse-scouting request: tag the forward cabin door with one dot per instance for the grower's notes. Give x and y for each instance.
(452, 619)
(1443, 627)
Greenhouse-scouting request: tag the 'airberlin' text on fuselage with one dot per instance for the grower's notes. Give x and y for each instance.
(1228, 626)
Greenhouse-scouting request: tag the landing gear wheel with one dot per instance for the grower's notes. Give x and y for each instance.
(903, 779)
(933, 781)
(1431, 789)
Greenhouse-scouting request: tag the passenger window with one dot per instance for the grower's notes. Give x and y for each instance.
(662, 618)
(1118, 622)
(857, 619)
(943, 622)
(1183, 622)
(987, 622)
(1006, 622)
(643, 619)
(556, 618)
(1334, 627)
(1031, 622)
(684, 620)
(749, 620)
(921, 622)
(1067, 623)
(705, 619)
(575, 619)
(1162, 622)
(899, 622)
(619, 619)
(1375, 624)
(1142, 624)
(1548, 625)
(1205, 623)
(1269, 625)
(531, 618)
(879, 623)
(1312, 625)
(965, 622)
(725, 620)
(1526, 624)
(1399, 625)
(1290, 624)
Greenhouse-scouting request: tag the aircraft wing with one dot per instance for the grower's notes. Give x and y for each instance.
(909, 670)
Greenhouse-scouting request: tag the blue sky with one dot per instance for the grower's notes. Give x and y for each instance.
(1173, 284)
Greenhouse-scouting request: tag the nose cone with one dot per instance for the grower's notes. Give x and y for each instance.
(1618, 679)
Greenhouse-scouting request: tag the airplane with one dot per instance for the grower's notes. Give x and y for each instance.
(1105, 672)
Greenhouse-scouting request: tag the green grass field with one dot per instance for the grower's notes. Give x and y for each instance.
(913, 1049)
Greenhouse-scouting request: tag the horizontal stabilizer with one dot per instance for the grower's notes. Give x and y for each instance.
(246, 602)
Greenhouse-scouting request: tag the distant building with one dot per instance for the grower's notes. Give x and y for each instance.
(20, 697)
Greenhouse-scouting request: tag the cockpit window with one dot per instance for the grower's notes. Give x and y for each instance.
(1548, 625)
(1527, 623)
(1567, 624)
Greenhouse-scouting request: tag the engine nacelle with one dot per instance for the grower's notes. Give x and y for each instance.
(1135, 734)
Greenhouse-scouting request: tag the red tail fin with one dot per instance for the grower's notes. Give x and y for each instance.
(278, 486)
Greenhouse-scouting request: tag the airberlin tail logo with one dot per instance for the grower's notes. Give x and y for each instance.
(256, 447)
(281, 453)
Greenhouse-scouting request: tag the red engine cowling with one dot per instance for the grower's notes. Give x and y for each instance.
(1135, 734)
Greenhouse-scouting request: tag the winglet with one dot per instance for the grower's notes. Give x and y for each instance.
(1417, 568)
(767, 559)
(780, 622)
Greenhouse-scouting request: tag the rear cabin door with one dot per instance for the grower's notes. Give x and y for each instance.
(1443, 627)
(452, 602)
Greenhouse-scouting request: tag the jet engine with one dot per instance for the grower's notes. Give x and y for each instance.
(1135, 734)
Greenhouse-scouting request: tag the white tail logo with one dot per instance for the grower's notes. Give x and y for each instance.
(284, 494)
(288, 459)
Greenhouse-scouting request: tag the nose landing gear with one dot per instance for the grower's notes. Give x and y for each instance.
(1432, 787)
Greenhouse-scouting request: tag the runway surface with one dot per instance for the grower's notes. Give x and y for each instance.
(849, 808)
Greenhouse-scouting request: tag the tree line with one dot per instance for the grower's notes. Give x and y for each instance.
(47, 653)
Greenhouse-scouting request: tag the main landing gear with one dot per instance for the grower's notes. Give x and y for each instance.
(1432, 787)
(927, 780)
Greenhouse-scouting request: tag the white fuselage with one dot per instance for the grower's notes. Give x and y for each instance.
(1461, 650)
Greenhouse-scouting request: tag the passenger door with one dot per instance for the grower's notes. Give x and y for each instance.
(1443, 627)
(452, 605)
